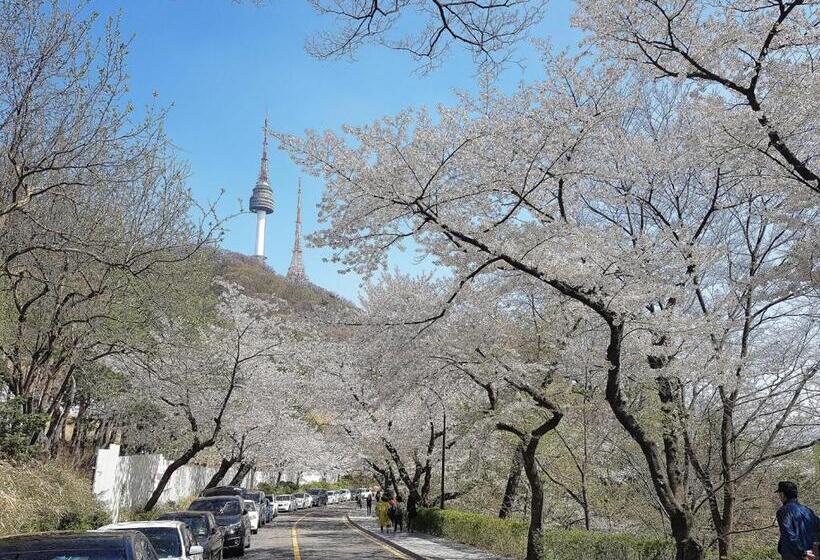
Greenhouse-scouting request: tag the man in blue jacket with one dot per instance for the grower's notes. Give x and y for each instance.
(798, 525)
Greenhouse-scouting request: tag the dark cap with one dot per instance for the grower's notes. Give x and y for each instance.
(788, 488)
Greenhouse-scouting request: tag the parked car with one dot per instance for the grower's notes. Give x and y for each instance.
(259, 497)
(115, 545)
(319, 496)
(346, 495)
(208, 534)
(364, 493)
(223, 491)
(170, 539)
(285, 502)
(230, 514)
(299, 498)
(253, 514)
(308, 499)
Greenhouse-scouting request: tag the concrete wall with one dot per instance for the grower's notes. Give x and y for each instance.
(124, 482)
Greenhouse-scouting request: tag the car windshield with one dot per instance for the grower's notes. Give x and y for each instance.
(62, 555)
(284, 498)
(196, 524)
(166, 540)
(218, 507)
(251, 505)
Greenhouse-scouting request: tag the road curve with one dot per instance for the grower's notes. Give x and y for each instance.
(317, 534)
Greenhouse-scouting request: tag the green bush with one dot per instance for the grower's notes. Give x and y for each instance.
(750, 553)
(509, 538)
(17, 430)
(564, 545)
(46, 497)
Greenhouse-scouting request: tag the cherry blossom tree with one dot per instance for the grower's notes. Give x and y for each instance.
(488, 30)
(752, 61)
(601, 189)
(199, 384)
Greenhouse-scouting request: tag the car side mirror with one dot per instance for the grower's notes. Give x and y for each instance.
(196, 549)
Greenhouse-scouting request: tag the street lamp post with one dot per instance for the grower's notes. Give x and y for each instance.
(443, 447)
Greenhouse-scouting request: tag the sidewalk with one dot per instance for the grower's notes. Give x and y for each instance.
(421, 544)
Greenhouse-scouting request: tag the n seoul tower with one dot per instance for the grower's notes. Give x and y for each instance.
(262, 197)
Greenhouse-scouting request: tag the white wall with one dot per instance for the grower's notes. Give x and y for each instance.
(124, 482)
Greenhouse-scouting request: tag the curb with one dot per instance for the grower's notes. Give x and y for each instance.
(387, 541)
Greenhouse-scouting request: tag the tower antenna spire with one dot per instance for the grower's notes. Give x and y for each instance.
(263, 169)
(296, 271)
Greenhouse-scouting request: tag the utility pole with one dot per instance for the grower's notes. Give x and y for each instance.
(443, 447)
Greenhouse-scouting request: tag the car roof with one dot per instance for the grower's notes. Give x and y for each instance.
(98, 540)
(137, 525)
(220, 497)
(172, 515)
(230, 489)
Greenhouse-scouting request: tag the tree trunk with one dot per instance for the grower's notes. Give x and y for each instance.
(513, 479)
(664, 480)
(220, 473)
(166, 476)
(686, 548)
(241, 473)
(536, 499)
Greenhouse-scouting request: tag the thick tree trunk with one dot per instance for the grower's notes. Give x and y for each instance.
(220, 473)
(686, 548)
(166, 476)
(666, 481)
(241, 473)
(536, 499)
(513, 480)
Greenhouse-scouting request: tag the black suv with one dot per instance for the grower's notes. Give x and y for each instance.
(231, 514)
(223, 491)
(113, 545)
(319, 496)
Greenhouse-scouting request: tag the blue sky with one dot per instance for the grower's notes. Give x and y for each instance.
(223, 64)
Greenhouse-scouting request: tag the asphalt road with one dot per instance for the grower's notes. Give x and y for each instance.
(316, 534)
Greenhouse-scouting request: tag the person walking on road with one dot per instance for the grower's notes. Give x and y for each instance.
(382, 513)
(798, 525)
(398, 515)
(359, 500)
(369, 504)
